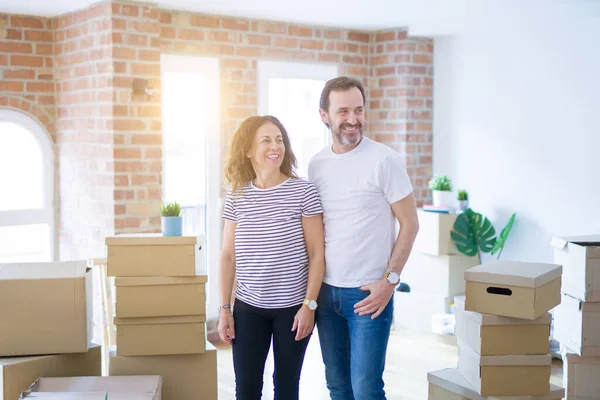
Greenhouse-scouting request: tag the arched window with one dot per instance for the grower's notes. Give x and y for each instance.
(27, 230)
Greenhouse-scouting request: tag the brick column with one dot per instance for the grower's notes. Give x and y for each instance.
(137, 125)
(84, 137)
(401, 101)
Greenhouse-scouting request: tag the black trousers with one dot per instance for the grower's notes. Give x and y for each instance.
(254, 329)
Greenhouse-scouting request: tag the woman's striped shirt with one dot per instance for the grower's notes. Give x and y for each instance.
(270, 251)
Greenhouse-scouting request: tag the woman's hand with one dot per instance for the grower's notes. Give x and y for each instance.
(226, 328)
(304, 322)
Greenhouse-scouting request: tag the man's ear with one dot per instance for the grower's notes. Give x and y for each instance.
(324, 116)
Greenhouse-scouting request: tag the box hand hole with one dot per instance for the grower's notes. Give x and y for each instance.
(498, 290)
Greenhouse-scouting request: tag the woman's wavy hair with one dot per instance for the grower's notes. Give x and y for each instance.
(238, 168)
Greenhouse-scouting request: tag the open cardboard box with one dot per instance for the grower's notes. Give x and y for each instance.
(97, 388)
(580, 258)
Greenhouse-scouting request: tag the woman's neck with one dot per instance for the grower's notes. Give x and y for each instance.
(267, 179)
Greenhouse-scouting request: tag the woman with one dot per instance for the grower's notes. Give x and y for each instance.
(273, 247)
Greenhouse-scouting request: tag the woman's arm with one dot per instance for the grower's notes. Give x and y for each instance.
(226, 279)
(315, 247)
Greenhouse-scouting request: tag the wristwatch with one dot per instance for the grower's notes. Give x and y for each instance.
(224, 307)
(392, 277)
(311, 304)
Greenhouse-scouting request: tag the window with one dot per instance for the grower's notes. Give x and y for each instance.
(26, 190)
(192, 149)
(291, 93)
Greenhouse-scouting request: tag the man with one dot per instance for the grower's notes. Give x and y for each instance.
(364, 189)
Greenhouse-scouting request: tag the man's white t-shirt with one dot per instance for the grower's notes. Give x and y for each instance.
(356, 190)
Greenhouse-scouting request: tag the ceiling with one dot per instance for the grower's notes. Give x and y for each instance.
(422, 17)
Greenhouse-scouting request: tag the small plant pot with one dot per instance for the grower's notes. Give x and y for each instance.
(444, 198)
(172, 226)
(463, 205)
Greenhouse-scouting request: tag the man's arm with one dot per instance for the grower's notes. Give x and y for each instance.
(405, 211)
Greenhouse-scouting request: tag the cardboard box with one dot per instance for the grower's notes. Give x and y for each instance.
(45, 308)
(190, 376)
(449, 273)
(513, 288)
(160, 296)
(434, 233)
(577, 326)
(449, 384)
(161, 335)
(580, 258)
(151, 255)
(512, 375)
(17, 373)
(492, 335)
(101, 387)
(581, 375)
(415, 311)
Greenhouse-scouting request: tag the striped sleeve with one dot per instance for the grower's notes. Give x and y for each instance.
(229, 210)
(311, 202)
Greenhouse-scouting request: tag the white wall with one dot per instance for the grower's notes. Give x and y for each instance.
(517, 123)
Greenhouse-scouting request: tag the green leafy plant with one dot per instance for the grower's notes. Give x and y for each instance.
(501, 240)
(474, 234)
(462, 195)
(171, 209)
(440, 182)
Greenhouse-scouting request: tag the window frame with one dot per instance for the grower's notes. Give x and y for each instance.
(47, 214)
(214, 165)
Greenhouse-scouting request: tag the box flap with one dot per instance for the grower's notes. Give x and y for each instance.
(573, 358)
(149, 384)
(184, 319)
(558, 243)
(99, 395)
(159, 280)
(43, 270)
(155, 239)
(491, 319)
(515, 273)
(465, 350)
(583, 240)
(451, 380)
(584, 306)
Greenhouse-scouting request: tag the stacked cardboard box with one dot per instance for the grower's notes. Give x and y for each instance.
(95, 388)
(434, 255)
(502, 331)
(577, 319)
(160, 313)
(45, 324)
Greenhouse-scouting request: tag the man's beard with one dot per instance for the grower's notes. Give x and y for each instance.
(343, 139)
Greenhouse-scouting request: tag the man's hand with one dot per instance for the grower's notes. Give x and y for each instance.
(304, 322)
(375, 303)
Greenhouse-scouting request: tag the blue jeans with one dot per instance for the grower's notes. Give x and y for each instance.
(353, 346)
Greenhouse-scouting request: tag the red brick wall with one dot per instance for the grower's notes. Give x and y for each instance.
(240, 43)
(26, 67)
(74, 74)
(137, 118)
(401, 104)
(84, 130)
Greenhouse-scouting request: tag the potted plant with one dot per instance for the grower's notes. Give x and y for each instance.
(441, 188)
(171, 219)
(463, 199)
